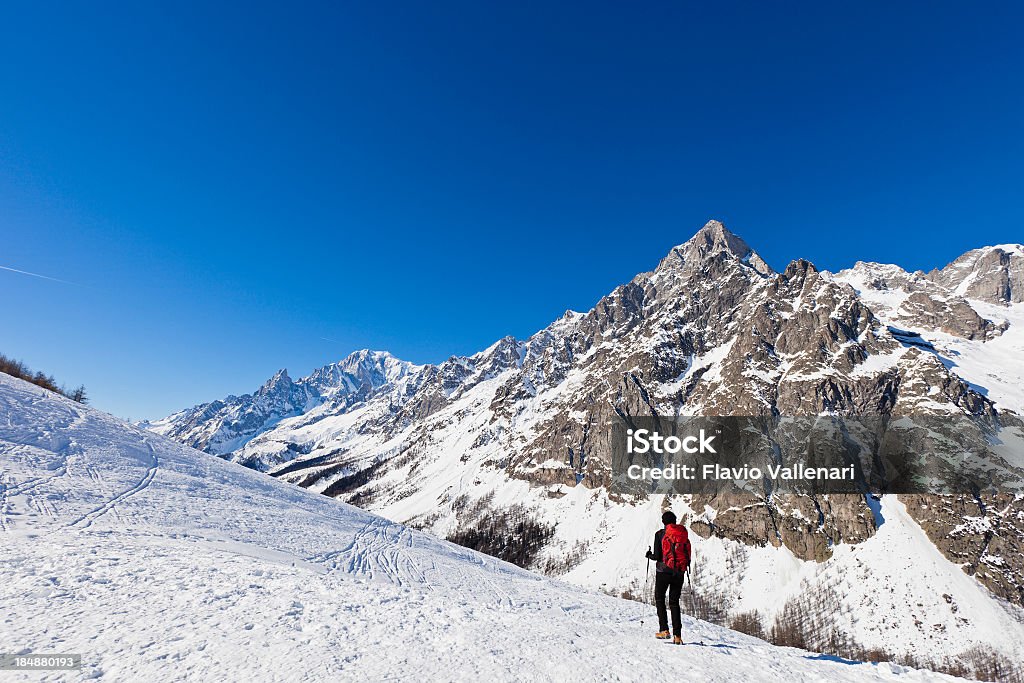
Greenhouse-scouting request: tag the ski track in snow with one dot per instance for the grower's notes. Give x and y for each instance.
(204, 570)
(88, 518)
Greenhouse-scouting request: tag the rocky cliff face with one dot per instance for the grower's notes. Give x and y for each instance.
(993, 274)
(712, 330)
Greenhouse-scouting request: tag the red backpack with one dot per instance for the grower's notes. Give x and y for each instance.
(675, 548)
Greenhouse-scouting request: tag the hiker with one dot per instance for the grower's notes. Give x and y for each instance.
(672, 553)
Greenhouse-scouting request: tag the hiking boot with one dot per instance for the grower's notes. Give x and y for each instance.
(661, 635)
(677, 640)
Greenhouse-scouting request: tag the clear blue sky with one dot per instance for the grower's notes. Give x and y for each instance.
(236, 189)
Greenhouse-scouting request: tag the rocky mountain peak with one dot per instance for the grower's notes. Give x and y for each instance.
(714, 236)
(991, 274)
(799, 268)
(279, 382)
(713, 240)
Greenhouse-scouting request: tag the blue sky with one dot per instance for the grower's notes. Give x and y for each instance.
(235, 189)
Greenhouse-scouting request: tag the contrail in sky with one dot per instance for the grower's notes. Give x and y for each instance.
(44, 277)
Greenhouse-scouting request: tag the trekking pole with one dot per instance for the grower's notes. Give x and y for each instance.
(647, 577)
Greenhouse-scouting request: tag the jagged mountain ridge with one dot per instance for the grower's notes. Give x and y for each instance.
(223, 426)
(713, 330)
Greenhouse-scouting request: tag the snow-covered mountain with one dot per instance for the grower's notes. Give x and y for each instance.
(225, 426)
(155, 561)
(517, 432)
(969, 315)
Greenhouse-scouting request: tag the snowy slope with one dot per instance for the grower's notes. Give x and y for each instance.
(158, 562)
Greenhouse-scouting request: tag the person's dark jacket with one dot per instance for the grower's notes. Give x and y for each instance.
(656, 555)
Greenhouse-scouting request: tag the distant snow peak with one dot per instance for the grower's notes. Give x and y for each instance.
(363, 368)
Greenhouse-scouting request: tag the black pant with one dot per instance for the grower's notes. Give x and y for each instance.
(662, 582)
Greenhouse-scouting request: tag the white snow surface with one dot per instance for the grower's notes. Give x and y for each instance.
(158, 562)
